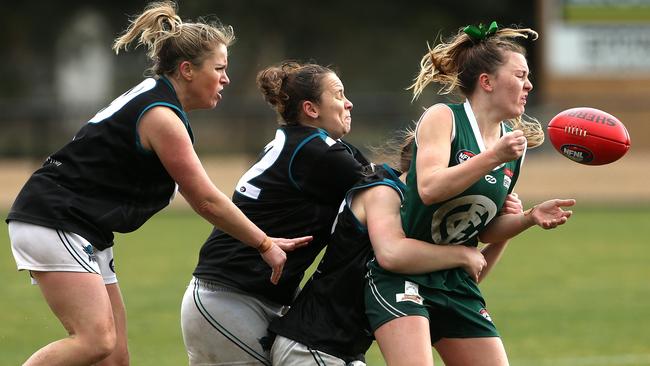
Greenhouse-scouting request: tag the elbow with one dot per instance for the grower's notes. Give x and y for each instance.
(390, 262)
(489, 237)
(428, 195)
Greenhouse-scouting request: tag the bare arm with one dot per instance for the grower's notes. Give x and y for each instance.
(379, 208)
(162, 131)
(437, 181)
(548, 215)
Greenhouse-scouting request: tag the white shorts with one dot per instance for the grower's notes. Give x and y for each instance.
(287, 352)
(43, 249)
(226, 326)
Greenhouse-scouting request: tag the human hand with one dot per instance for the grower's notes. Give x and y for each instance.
(512, 205)
(474, 262)
(275, 257)
(289, 245)
(549, 214)
(510, 146)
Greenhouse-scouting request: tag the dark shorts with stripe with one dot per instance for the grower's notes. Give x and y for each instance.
(460, 313)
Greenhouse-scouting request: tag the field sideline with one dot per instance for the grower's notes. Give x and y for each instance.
(578, 295)
(544, 176)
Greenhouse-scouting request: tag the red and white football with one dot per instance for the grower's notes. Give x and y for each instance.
(588, 136)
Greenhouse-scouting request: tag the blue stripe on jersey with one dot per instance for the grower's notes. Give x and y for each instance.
(182, 116)
(322, 134)
(397, 181)
(384, 182)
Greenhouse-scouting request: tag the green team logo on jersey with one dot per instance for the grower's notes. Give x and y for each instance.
(460, 219)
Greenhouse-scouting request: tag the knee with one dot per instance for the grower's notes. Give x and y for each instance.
(117, 358)
(106, 342)
(100, 344)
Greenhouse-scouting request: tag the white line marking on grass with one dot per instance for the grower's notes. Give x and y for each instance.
(608, 360)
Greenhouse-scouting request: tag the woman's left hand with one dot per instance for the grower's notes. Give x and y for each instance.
(549, 214)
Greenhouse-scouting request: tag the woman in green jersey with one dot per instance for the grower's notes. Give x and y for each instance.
(466, 160)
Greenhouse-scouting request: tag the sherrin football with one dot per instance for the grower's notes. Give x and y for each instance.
(588, 136)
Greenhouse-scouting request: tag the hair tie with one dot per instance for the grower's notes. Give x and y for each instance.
(481, 32)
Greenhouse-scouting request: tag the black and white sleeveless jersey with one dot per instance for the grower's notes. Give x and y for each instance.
(294, 189)
(103, 181)
(329, 313)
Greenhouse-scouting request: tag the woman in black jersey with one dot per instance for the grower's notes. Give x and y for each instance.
(327, 324)
(295, 188)
(123, 166)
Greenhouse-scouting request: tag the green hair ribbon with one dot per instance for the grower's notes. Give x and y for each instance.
(481, 32)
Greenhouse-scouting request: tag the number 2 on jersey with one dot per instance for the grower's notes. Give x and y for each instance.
(271, 153)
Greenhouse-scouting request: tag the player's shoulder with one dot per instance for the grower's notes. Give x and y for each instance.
(439, 111)
(380, 175)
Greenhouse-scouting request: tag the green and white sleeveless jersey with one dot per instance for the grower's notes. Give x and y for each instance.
(459, 219)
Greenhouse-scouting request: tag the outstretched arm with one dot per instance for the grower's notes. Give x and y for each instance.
(548, 215)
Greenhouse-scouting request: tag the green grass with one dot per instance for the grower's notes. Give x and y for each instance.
(577, 295)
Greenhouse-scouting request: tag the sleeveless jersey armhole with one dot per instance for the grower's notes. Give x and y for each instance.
(181, 115)
(453, 123)
(393, 183)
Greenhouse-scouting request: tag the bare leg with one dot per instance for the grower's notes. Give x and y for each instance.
(405, 341)
(83, 307)
(487, 351)
(120, 356)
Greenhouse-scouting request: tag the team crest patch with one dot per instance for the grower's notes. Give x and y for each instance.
(411, 293)
(464, 155)
(88, 249)
(460, 219)
(484, 313)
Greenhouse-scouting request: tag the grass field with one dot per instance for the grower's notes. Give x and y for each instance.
(578, 295)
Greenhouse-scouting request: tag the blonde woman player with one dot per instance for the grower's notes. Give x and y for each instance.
(122, 167)
(466, 159)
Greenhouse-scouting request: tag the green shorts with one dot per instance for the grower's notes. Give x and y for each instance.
(457, 313)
